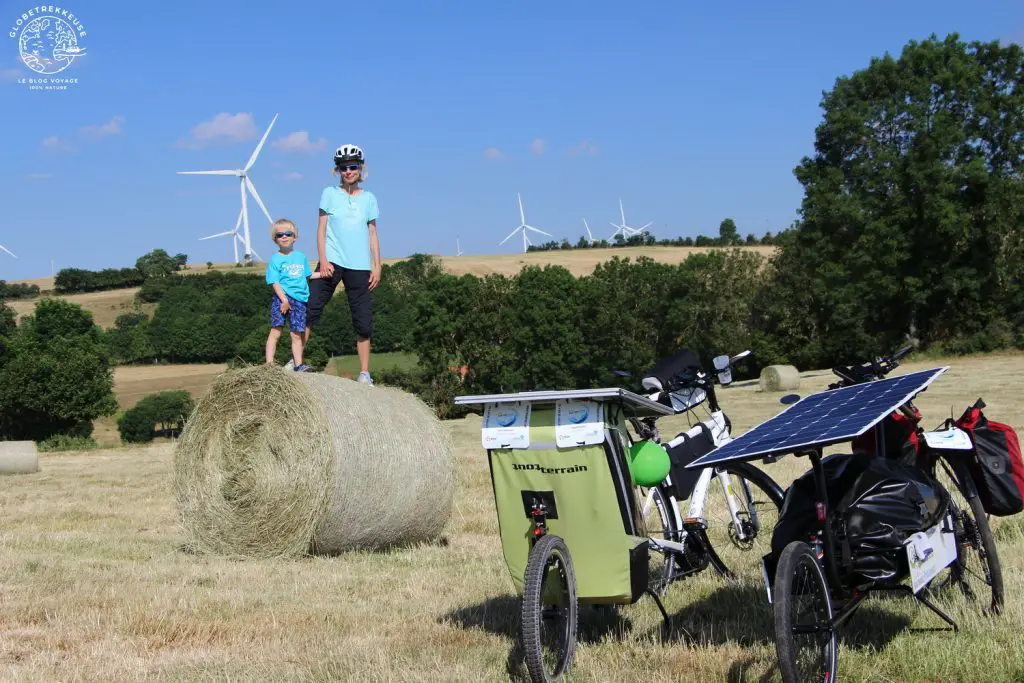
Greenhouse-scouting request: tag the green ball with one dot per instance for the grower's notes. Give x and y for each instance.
(650, 463)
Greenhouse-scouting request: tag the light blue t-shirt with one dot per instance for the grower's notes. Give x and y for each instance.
(348, 236)
(290, 271)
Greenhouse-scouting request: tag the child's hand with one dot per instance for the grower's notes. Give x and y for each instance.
(285, 307)
(315, 275)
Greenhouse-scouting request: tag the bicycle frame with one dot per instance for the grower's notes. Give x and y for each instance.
(699, 496)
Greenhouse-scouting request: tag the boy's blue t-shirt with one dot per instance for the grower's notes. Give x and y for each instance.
(348, 236)
(290, 271)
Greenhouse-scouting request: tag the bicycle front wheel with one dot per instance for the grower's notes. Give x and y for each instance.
(742, 534)
(805, 640)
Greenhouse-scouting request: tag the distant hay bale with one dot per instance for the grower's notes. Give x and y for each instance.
(779, 378)
(274, 463)
(18, 457)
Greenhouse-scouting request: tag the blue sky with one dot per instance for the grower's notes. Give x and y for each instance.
(688, 112)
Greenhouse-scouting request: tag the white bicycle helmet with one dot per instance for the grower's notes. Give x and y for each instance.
(348, 153)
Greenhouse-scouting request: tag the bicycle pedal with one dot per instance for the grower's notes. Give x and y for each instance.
(695, 524)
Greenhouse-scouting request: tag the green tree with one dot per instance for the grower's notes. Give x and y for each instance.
(55, 375)
(157, 263)
(8, 320)
(728, 233)
(128, 340)
(913, 205)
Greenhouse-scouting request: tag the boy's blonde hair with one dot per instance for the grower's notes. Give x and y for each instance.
(283, 223)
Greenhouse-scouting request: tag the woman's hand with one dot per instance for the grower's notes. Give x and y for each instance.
(326, 270)
(374, 277)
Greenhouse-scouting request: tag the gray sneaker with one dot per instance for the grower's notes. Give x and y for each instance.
(364, 378)
(290, 365)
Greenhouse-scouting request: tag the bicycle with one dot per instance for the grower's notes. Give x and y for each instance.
(814, 582)
(750, 498)
(944, 464)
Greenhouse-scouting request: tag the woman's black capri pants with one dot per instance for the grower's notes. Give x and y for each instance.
(357, 288)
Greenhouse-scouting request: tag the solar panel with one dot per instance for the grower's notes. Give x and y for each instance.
(824, 418)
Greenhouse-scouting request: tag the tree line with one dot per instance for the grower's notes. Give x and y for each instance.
(17, 290)
(157, 263)
(728, 236)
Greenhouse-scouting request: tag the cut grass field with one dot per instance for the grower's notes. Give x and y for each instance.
(106, 306)
(95, 586)
(348, 366)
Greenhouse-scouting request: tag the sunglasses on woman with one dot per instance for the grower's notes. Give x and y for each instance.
(279, 235)
(350, 167)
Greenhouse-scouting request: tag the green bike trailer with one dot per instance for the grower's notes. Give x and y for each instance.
(568, 453)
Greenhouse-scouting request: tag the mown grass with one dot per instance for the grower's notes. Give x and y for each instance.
(349, 365)
(95, 586)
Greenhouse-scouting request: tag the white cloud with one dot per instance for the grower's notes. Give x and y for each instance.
(55, 144)
(223, 127)
(299, 142)
(584, 148)
(537, 147)
(493, 154)
(293, 175)
(39, 176)
(111, 127)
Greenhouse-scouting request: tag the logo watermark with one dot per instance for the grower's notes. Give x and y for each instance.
(49, 39)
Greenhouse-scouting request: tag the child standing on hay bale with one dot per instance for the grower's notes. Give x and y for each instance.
(348, 250)
(286, 274)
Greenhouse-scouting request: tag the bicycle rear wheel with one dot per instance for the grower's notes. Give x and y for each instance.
(977, 571)
(659, 512)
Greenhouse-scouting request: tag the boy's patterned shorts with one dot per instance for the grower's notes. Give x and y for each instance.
(296, 314)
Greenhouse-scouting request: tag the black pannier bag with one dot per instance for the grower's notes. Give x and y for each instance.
(880, 504)
(683, 450)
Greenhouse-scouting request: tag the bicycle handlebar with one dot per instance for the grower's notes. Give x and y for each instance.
(867, 371)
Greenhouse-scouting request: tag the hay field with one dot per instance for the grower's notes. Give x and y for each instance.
(106, 306)
(95, 587)
(132, 383)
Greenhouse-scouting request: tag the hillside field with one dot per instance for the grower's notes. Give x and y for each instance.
(107, 305)
(96, 586)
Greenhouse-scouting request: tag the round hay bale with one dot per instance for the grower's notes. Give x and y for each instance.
(779, 378)
(18, 457)
(275, 463)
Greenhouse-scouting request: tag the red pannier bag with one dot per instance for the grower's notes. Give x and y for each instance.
(901, 442)
(997, 469)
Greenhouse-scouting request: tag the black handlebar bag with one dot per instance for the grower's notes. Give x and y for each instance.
(997, 468)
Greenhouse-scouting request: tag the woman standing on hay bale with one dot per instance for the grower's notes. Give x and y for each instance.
(348, 250)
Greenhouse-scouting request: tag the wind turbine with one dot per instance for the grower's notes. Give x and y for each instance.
(244, 183)
(590, 237)
(524, 227)
(235, 240)
(7, 250)
(626, 231)
(458, 247)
